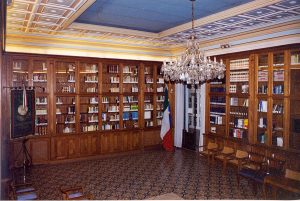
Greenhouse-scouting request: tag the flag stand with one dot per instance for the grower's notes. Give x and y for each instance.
(27, 160)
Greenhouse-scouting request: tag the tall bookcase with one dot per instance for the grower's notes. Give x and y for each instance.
(259, 97)
(89, 106)
(239, 98)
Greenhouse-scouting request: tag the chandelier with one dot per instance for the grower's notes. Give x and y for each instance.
(192, 66)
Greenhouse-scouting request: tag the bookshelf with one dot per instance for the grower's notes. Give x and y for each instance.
(20, 72)
(149, 97)
(130, 111)
(89, 76)
(239, 98)
(260, 97)
(111, 84)
(65, 114)
(294, 110)
(159, 96)
(89, 106)
(217, 106)
(39, 82)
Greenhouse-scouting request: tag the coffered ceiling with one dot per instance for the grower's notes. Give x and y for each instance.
(156, 25)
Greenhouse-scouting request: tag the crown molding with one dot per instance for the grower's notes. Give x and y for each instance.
(114, 30)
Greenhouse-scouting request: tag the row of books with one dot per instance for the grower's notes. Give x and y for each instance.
(130, 69)
(278, 108)
(216, 119)
(262, 76)
(262, 106)
(217, 110)
(113, 68)
(262, 89)
(238, 133)
(130, 115)
(239, 76)
(240, 123)
(239, 64)
(278, 89)
(295, 58)
(278, 75)
(218, 89)
(234, 101)
(217, 100)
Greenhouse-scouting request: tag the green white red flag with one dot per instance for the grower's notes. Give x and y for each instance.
(165, 132)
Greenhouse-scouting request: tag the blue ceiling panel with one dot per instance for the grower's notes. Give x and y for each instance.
(151, 15)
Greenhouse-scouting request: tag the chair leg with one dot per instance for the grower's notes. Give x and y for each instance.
(238, 179)
(224, 166)
(254, 187)
(274, 192)
(265, 190)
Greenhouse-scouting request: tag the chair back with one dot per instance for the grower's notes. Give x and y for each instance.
(212, 145)
(291, 174)
(241, 154)
(227, 150)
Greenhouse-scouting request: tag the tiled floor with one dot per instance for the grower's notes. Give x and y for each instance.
(141, 176)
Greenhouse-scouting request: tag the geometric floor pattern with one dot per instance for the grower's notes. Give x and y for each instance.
(141, 176)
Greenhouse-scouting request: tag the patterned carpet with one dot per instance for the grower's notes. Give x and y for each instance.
(141, 176)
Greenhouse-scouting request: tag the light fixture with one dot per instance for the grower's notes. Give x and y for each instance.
(192, 66)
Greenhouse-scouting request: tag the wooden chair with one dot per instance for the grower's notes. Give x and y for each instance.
(224, 155)
(238, 159)
(23, 192)
(253, 169)
(258, 167)
(75, 193)
(209, 150)
(290, 181)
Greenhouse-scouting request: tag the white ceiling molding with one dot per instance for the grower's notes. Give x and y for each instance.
(114, 30)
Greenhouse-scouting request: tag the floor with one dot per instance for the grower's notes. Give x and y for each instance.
(141, 176)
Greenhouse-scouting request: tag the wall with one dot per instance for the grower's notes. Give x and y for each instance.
(4, 132)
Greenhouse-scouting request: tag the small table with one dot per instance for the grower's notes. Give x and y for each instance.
(281, 182)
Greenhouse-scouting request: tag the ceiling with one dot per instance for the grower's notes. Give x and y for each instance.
(154, 27)
(151, 16)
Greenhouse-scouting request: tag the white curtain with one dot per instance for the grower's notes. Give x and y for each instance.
(179, 114)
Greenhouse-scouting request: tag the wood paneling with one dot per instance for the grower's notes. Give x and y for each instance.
(89, 145)
(39, 150)
(151, 138)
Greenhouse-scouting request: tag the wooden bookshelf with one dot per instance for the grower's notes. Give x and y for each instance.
(87, 106)
(261, 93)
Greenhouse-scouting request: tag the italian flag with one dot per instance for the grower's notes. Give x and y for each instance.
(165, 132)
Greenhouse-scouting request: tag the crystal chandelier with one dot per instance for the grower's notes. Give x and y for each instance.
(192, 66)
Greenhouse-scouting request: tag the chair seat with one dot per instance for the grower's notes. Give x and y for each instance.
(27, 196)
(252, 166)
(233, 161)
(221, 157)
(206, 152)
(257, 176)
(24, 189)
(75, 195)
